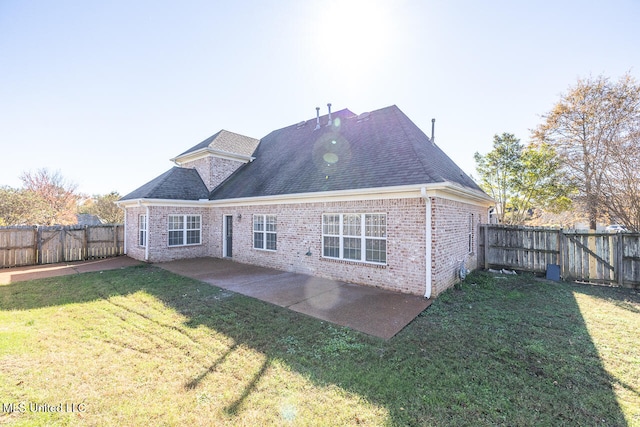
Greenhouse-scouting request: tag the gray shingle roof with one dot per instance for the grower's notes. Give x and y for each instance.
(176, 184)
(383, 149)
(228, 142)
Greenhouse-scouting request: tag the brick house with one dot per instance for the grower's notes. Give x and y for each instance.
(367, 199)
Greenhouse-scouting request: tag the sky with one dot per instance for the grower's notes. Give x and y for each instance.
(107, 92)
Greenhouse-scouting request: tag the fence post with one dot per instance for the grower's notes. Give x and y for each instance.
(563, 256)
(619, 269)
(35, 244)
(485, 237)
(61, 257)
(560, 248)
(115, 240)
(85, 243)
(39, 253)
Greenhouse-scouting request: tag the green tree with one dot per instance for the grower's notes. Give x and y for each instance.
(14, 209)
(586, 128)
(540, 183)
(498, 169)
(106, 209)
(520, 178)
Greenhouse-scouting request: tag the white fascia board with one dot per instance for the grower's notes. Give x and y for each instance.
(443, 190)
(202, 203)
(447, 190)
(207, 151)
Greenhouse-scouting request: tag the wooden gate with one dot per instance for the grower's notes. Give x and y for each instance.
(590, 257)
(60, 244)
(582, 256)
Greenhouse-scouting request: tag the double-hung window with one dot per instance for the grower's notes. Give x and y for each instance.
(142, 230)
(185, 230)
(264, 232)
(355, 237)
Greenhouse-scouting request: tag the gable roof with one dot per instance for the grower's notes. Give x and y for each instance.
(176, 184)
(223, 142)
(383, 148)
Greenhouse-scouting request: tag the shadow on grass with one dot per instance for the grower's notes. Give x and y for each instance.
(514, 353)
(624, 298)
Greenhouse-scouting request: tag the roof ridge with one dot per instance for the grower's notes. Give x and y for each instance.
(217, 134)
(326, 116)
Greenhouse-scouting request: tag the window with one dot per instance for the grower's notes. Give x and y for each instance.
(376, 237)
(264, 232)
(142, 230)
(356, 237)
(184, 230)
(331, 236)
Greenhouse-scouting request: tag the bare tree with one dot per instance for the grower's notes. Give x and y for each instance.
(621, 185)
(56, 198)
(586, 127)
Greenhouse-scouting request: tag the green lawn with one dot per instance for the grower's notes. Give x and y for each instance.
(142, 346)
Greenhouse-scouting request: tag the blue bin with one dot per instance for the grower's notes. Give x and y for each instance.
(553, 272)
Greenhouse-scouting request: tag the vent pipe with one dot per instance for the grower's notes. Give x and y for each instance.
(329, 122)
(433, 128)
(317, 118)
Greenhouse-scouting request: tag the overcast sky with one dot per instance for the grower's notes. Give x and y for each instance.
(107, 92)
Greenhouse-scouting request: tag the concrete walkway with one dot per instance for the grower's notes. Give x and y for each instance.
(32, 272)
(370, 310)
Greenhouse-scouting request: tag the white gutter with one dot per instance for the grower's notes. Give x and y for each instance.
(442, 189)
(428, 242)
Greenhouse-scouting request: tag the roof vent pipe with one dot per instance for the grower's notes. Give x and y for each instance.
(329, 122)
(433, 127)
(317, 118)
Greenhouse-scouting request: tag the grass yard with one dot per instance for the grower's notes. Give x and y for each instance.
(142, 346)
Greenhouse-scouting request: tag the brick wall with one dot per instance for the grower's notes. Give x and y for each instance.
(213, 170)
(158, 234)
(299, 231)
(133, 249)
(450, 234)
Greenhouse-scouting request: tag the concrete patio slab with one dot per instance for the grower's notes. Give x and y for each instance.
(370, 310)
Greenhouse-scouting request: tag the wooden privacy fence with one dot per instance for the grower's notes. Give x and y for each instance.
(582, 256)
(27, 245)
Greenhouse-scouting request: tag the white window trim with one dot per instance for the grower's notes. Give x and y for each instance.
(143, 230)
(184, 230)
(363, 237)
(264, 232)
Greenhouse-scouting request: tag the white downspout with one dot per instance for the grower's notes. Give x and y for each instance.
(428, 243)
(146, 247)
(125, 229)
